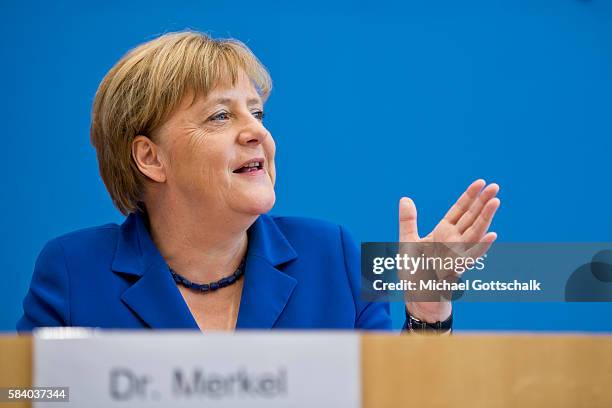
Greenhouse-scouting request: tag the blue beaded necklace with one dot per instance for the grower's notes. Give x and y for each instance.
(212, 286)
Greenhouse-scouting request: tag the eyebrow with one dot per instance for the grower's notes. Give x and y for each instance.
(228, 101)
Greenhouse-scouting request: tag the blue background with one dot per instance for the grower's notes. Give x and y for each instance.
(372, 101)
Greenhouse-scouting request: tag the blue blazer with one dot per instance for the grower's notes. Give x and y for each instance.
(300, 274)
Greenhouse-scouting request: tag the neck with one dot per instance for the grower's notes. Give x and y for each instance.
(201, 245)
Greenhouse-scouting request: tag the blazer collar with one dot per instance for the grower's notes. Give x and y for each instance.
(156, 300)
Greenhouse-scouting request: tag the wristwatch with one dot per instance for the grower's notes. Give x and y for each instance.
(415, 325)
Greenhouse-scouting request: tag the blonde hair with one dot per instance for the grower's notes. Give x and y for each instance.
(138, 94)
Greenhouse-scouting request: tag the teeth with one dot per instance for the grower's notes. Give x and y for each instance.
(254, 164)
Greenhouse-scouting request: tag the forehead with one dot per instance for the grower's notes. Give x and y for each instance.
(240, 91)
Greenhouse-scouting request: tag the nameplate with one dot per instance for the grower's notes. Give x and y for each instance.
(189, 369)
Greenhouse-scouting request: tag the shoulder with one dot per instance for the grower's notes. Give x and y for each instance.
(88, 236)
(83, 243)
(62, 261)
(315, 231)
(289, 224)
(308, 235)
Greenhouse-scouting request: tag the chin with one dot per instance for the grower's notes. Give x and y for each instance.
(259, 204)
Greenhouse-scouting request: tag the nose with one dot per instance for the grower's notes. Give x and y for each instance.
(252, 133)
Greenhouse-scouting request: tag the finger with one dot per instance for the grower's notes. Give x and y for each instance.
(476, 231)
(408, 231)
(467, 219)
(464, 202)
(483, 246)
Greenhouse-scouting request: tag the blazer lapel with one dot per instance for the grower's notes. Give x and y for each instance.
(267, 288)
(154, 297)
(157, 301)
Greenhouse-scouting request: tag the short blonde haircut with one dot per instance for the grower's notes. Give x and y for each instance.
(139, 93)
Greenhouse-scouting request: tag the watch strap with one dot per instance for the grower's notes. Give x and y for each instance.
(415, 325)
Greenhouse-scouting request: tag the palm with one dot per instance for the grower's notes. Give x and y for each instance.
(467, 222)
(465, 225)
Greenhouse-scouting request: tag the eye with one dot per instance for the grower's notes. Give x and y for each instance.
(219, 116)
(259, 115)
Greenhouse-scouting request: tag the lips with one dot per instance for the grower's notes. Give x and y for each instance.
(250, 166)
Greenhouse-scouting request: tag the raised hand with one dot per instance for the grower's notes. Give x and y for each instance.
(465, 226)
(467, 221)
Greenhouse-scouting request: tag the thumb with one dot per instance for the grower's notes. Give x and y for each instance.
(408, 231)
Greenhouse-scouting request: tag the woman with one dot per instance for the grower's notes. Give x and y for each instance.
(182, 149)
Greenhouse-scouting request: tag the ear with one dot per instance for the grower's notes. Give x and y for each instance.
(148, 158)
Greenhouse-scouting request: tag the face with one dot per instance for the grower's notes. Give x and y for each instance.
(217, 154)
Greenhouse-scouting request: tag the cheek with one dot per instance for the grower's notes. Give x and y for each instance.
(194, 163)
(270, 153)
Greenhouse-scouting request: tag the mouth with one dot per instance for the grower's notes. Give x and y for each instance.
(252, 166)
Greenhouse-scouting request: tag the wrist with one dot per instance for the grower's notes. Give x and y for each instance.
(430, 312)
